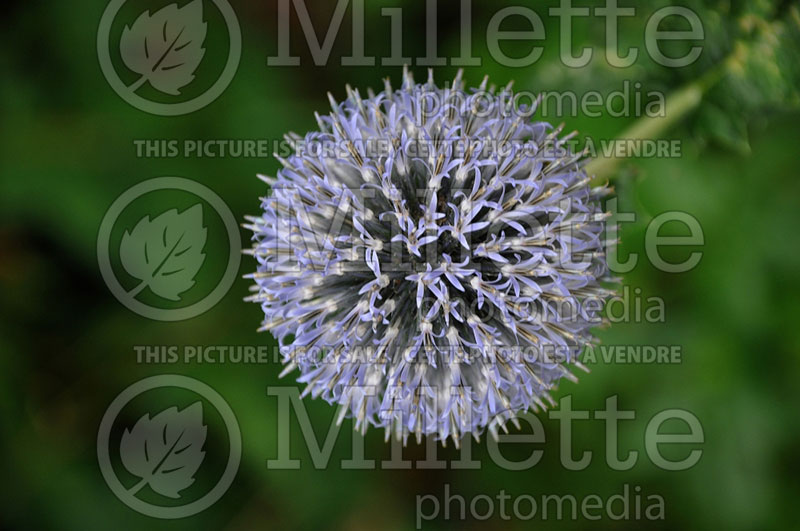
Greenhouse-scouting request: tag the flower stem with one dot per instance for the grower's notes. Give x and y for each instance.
(678, 105)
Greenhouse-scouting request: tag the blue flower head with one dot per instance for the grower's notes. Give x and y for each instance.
(427, 259)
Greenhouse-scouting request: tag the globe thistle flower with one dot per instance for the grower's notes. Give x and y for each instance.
(425, 259)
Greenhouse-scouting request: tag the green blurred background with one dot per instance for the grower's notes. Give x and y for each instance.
(67, 152)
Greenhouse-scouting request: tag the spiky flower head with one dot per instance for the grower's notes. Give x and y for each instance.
(425, 259)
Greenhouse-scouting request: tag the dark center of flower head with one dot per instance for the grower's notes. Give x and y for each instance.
(428, 257)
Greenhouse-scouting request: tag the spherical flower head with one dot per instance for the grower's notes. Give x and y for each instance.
(428, 257)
